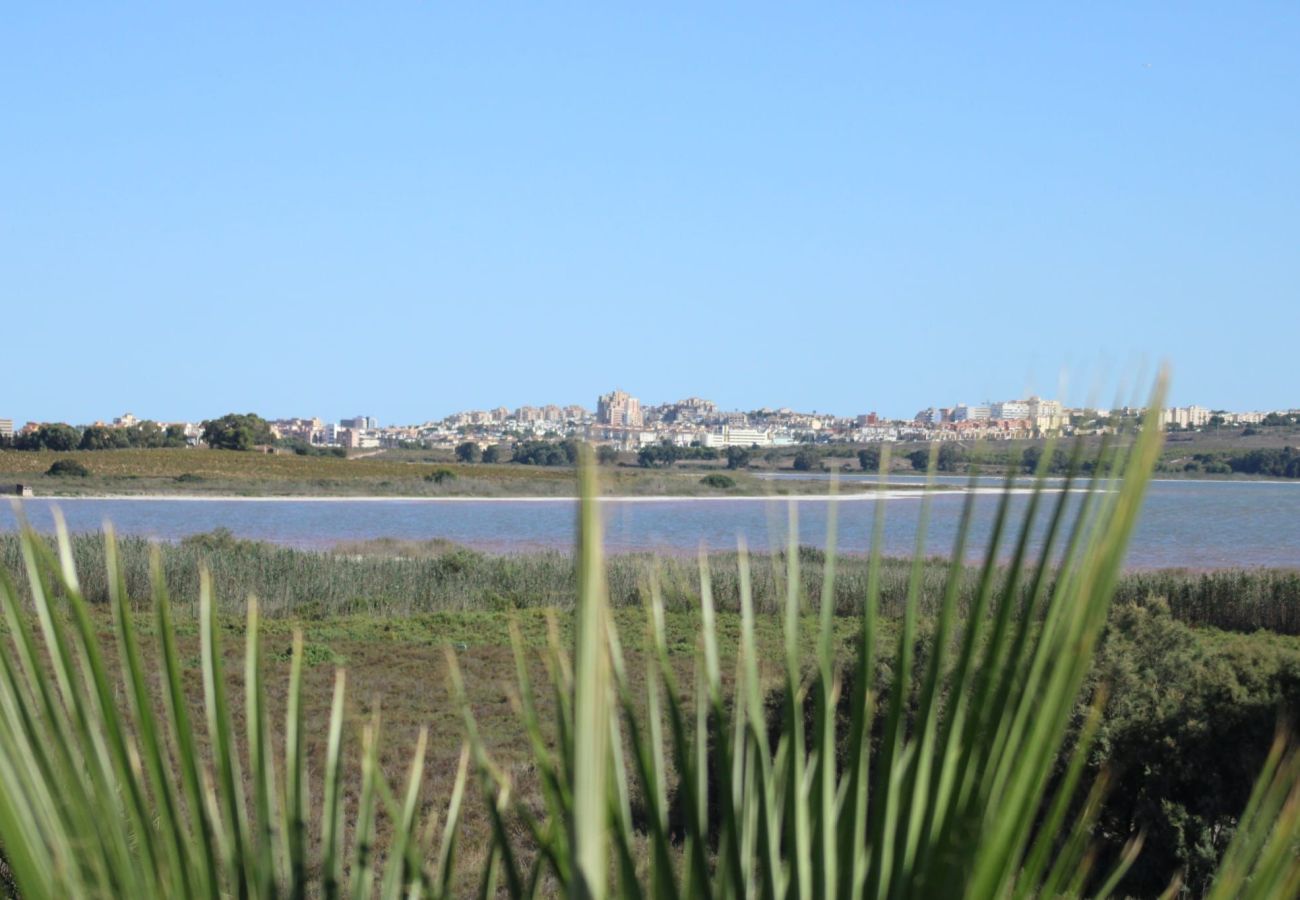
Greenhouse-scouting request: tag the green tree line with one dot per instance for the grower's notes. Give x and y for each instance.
(63, 437)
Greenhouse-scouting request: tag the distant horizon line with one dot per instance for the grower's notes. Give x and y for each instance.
(114, 421)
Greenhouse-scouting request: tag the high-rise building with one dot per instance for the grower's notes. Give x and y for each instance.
(1047, 415)
(6, 427)
(963, 413)
(1010, 409)
(1187, 416)
(619, 408)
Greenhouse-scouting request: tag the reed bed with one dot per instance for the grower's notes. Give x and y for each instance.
(396, 578)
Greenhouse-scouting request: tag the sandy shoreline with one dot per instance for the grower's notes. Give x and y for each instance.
(888, 494)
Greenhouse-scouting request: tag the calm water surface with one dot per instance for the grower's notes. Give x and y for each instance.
(1194, 524)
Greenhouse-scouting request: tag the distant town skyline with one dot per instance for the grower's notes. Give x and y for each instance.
(625, 409)
(620, 420)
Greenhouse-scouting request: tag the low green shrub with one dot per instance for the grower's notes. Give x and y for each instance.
(1187, 722)
(67, 468)
(218, 541)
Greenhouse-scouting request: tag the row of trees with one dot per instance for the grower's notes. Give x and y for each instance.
(303, 448)
(661, 456)
(546, 453)
(1277, 419)
(1276, 463)
(952, 458)
(532, 453)
(230, 432)
(63, 437)
(142, 434)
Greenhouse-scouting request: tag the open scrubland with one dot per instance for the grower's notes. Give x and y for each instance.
(1197, 666)
(225, 473)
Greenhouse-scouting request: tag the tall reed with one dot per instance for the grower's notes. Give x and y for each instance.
(384, 579)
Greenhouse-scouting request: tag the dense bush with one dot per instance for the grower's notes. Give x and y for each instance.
(665, 454)
(1277, 463)
(304, 448)
(1057, 464)
(1188, 720)
(952, 458)
(717, 480)
(67, 468)
(237, 432)
(546, 453)
(807, 460)
(218, 540)
(737, 458)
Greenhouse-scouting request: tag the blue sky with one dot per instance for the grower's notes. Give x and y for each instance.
(406, 209)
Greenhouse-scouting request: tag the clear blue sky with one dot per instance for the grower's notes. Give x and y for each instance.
(405, 209)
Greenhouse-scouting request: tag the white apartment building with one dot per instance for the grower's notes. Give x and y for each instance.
(1047, 415)
(1186, 416)
(1010, 409)
(730, 436)
(963, 413)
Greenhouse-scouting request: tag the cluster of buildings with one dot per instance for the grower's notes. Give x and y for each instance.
(1001, 419)
(1035, 417)
(1194, 417)
(621, 420)
(359, 432)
